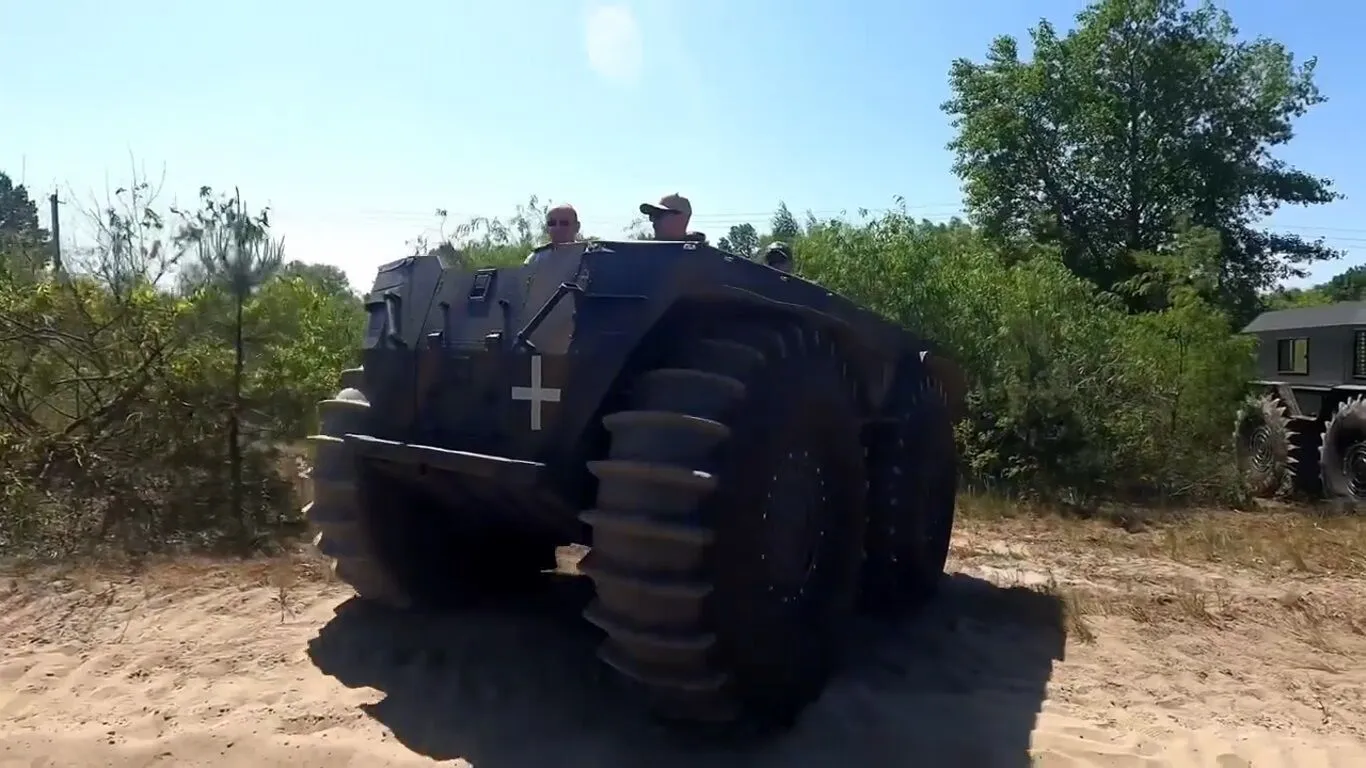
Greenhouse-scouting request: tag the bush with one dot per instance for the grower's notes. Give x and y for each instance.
(1070, 393)
(119, 395)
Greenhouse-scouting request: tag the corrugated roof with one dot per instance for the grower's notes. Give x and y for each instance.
(1327, 316)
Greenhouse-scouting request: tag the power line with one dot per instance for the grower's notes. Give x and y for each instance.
(728, 218)
(700, 215)
(717, 224)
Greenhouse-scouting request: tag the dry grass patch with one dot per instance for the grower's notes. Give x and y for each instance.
(1076, 606)
(49, 602)
(1281, 538)
(1184, 605)
(187, 575)
(1323, 623)
(1304, 541)
(1296, 571)
(1181, 601)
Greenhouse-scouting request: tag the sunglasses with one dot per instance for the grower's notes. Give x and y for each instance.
(559, 222)
(657, 215)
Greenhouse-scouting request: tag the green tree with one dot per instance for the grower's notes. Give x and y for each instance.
(327, 278)
(1113, 135)
(23, 244)
(784, 225)
(114, 388)
(1070, 392)
(236, 256)
(18, 212)
(302, 332)
(1293, 298)
(1348, 286)
(741, 240)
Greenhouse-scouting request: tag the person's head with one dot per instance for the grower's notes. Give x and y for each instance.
(562, 224)
(779, 256)
(670, 216)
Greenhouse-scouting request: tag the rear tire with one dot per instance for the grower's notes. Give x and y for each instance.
(729, 524)
(1342, 459)
(912, 491)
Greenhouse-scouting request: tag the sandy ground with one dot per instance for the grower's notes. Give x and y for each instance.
(1080, 647)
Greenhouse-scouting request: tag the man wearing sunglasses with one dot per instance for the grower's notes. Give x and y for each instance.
(561, 226)
(670, 217)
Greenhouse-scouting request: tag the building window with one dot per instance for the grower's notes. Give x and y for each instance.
(1292, 356)
(1359, 354)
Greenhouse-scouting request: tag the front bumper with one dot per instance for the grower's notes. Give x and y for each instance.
(509, 473)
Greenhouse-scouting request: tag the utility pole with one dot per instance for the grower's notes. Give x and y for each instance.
(54, 204)
(56, 236)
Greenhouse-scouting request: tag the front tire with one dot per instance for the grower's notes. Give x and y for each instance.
(1262, 443)
(338, 509)
(728, 530)
(396, 546)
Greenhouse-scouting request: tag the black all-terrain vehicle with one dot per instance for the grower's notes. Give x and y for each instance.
(749, 456)
(1305, 429)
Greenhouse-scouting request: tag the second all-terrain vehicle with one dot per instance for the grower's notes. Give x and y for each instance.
(1303, 429)
(750, 457)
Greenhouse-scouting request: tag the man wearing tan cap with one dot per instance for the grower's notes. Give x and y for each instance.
(670, 217)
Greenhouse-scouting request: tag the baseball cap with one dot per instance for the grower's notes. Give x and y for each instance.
(675, 202)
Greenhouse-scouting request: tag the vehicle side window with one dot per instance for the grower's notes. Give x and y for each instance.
(1292, 356)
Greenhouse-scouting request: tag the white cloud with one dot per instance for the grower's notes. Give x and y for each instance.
(611, 38)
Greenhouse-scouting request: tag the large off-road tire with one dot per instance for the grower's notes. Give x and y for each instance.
(1262, 444)
(337, 511)
(1342, 456)
(728, 530)
(395, 546)
(912, 490)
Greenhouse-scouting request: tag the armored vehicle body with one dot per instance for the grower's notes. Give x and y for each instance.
(749, 457)
(1305, 428)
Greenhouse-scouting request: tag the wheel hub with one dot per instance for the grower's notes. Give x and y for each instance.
(792, 526)
(1354, 468)
(1260, 454)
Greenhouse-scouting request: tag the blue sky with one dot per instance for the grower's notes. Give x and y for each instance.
(356, 121)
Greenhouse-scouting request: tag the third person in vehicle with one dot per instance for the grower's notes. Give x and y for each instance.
(778, 255)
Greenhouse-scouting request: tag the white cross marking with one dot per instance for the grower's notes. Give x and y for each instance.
(536, 393)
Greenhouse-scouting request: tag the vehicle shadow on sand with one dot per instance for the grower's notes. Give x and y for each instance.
(519, 687)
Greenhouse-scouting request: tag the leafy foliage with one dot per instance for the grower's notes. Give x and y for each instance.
(1147, 117)
(117, 392)
(1348, 286)
(23, 244)
(742, 240)
(784, 225)
(1071, 392)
